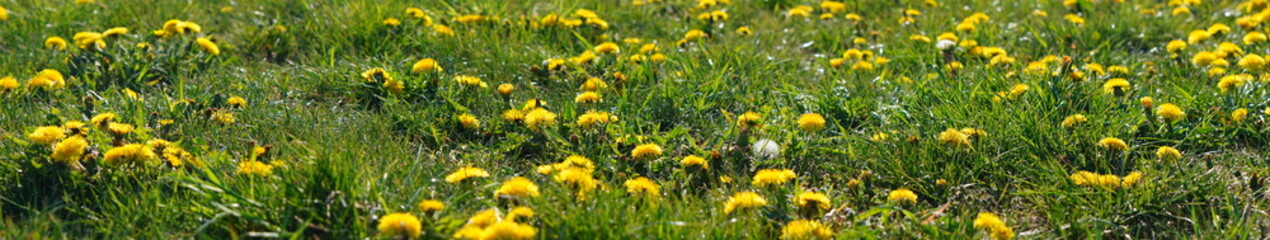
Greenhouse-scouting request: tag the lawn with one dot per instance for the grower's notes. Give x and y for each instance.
(634, 119)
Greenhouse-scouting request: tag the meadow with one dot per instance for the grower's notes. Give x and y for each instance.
(634, 119)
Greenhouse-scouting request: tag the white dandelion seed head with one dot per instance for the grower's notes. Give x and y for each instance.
(945, 44)
(766, 149)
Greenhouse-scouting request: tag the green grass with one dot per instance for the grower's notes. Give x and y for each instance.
(349, 153)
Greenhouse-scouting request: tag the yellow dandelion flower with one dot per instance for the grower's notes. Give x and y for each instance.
(208, 46)
(392, 22)
(256, 168)
(588, 97)
(430, 205)
(773, 177)
(69, 150)
(237, 101)
(135, 153)
(811, 122)
(506, 89)
(1132, 179)
(1116, 86)
(646, 151)
(8, 83)
(1239, 115)
(1166, 153)
(813, 201)
(1170, 112)
(466, 173)
(1073, 120)
(954, 137)
(55, 43)
(517, 187)
(509, 230)
(47, 134)
(902, 195)
(607, 48)
(694, 160)
(642, 186)
(806, 229)
(749, 119)
(120, 129)
(1115, 144)
(400, 225)
(694, 34)
(744, 200)
(469, 122)
(426, 65)
(1233, 82)
(539, 118)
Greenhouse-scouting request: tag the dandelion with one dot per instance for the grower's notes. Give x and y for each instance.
(223, 117)
(392, 22)
(1116, 86)
(47, 134)
(1114, 144)
(902, 195)
(400, 225)
(539, 118)
(87, 40)
(114, 32)
(47, 79)
(773, 177)
(55, 43)
(694, 160)
(588, 98)
(465, 173)
(1147, 102)
(607, 48)
(509, 230)
(1229, 83)
(430, 205)
(954, 137)
(593, 119)
(1166, 153)
(442, 30)
(4, 14)
(1073, 120)
(517, 187)
(119, 129)
(469, 122)
(134, 153)
(208, 46)
(646, 151)
(995, 227)
(1170, 112)
(1252, 62)
(1239, 115)
(69, 150)
(237, 101)
(806, 229)
(766, 149)
(1132, 179)
(643, 186)
(579, 179)
(694, 34)
(470, 81)
(253, 167)
(506, 89)
(749, 119)
(811, 122)
(8, 83)
(743, 200)
(520, 213)
(426, 65)
(744, 31)
(813, 201)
